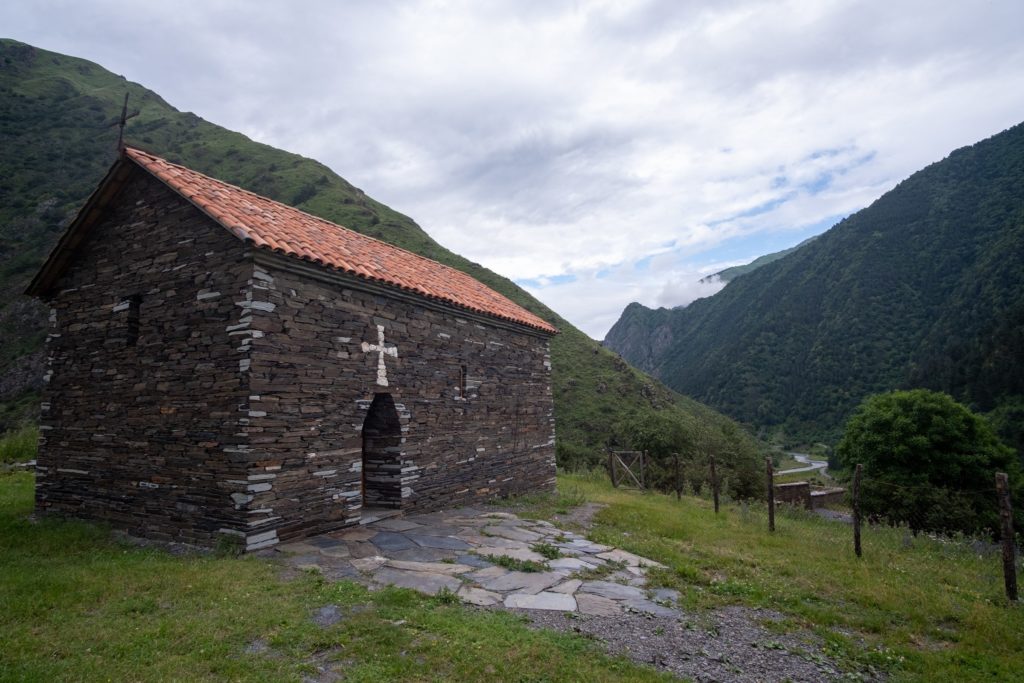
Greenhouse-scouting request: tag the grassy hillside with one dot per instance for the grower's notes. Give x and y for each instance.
(919, 609)
(54, 116)
(924, 288)
(75, 604)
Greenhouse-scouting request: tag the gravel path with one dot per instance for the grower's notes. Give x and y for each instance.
(729, 644)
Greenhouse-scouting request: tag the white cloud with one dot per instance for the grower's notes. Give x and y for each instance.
(547, 140)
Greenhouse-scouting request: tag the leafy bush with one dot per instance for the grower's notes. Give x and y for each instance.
(929, 462)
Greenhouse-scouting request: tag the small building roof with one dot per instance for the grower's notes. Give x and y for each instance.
(273, 226)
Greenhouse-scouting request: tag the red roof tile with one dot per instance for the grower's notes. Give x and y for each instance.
(271, 225)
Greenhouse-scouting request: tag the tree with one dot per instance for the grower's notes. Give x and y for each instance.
(929, 462)
(662, 435)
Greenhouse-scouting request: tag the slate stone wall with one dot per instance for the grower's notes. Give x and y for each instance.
(472, 399)
(140, 415)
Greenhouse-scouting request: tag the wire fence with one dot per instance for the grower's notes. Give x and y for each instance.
(908, 528)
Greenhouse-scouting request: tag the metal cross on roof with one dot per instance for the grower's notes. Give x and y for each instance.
(120, 123)
(381, 349)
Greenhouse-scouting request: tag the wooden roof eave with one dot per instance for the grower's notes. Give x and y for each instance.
(61, 255)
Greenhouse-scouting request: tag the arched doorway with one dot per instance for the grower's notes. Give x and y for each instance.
(382, 462)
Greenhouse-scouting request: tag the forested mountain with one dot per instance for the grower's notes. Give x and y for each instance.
(56, 145)
(924, 288)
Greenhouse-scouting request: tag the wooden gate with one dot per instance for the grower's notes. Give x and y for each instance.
(627, 468)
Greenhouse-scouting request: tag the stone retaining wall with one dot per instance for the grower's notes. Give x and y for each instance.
(795, 493)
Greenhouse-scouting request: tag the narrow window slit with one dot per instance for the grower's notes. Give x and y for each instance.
(132, 320)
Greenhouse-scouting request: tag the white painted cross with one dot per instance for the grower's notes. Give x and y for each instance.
(382, 372)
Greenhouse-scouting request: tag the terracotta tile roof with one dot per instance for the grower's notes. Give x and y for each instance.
(270, 225)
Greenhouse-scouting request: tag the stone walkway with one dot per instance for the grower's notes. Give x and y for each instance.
(488, 558)
(482, 556)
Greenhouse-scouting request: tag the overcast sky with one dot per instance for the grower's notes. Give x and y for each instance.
(596, 152)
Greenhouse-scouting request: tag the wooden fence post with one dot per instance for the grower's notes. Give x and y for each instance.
(611, 469)
(714, 482)
(1009, 544)
(679, 478)
(856, 510)
(771, 495)
(643, 470)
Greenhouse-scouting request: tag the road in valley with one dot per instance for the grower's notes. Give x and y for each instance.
(809, 464)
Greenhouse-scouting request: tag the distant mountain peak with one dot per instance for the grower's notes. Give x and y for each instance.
(735, 271)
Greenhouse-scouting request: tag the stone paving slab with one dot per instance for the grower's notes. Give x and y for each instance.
(630, 559)
(436, 530)
(524, 582)
(521, 554)
(424, 582)
(551, 601)
(392, 540)
(648, 607)
(359, 549)
(492, 541)
(597, 605)
(355, 534)
(340, 551)
(570, 586)
(479, 596)
(369, 564)
(435, 567)
(445, 542)
(487, 573)
(398, 524)
(615, 591)
(589, 546)
(570, 563)
(420, 554)
(473, 561)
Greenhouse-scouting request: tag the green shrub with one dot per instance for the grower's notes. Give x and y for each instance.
(549, 551)
(19, 445)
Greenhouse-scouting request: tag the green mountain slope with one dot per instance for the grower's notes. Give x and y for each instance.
(55, 146)
(730, 274)
(924, 288)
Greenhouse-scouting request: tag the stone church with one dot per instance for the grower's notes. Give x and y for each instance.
(222, 364)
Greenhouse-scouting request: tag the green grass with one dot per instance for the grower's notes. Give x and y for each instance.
(76, 605)
(788, 462)
(517, 565)
(547, 550)
(814, 478)
(19, 445)
(544, 505)
(919, 608)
